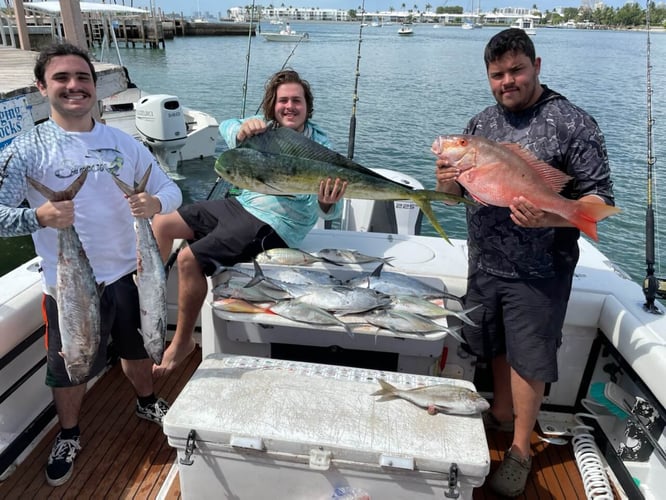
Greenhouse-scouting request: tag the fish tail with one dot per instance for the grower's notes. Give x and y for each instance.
(586, 215)
(387, 390)
(68, 194)
(421, 199)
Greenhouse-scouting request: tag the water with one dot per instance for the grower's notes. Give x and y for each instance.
(412, 89)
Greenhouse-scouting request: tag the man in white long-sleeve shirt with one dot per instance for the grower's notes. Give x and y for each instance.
(54, 154)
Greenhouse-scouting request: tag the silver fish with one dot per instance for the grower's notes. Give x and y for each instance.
(445, 398)
(77, 293)
(287, 257)
(284, 162)
(150, 278)
(341, 256)
(399, 284)
(423, 307)
(406, 322)
(302, 312)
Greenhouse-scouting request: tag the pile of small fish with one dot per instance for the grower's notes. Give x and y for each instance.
(386, 300)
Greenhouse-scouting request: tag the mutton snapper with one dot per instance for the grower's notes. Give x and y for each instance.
(284, 162)
(495, 173)
(150, 279)
(77, 293)
(445, 398)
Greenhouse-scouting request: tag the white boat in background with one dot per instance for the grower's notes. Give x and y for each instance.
(405, 30)
(173, 133)
(525, 24)
(286, 35)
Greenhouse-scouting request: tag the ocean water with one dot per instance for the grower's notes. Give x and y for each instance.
(412, 89)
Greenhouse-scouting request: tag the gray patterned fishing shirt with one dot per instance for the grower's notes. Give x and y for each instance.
(564, 136)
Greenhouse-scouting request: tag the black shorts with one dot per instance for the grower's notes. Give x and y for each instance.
(225, 233)
(120, 321)
(520, 318)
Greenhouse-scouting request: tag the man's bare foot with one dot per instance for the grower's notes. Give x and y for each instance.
(173, 356)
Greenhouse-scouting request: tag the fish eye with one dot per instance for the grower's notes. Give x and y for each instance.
(463, 142)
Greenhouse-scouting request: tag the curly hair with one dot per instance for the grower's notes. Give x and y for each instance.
(60, 49)
(271, 87)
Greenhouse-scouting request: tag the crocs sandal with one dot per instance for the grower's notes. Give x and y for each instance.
(490, 422)
(510, 478)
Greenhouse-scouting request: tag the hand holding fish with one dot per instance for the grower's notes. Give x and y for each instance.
(525, 214)
(250, 127)
(144, 205)
(56, 214)
(330, 192)
(447, 177)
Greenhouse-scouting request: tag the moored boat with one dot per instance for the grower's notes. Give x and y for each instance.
(526, 24)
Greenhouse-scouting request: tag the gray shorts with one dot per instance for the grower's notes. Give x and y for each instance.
(520, 318)
(120, 321)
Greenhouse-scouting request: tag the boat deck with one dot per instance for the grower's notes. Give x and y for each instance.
(126, 457)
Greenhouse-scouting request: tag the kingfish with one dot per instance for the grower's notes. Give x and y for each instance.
(150, 279)
(77, 293)
(445, 398)
(284, 162)
(495, 173)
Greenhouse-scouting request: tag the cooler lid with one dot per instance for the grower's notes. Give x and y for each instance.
(296, 407)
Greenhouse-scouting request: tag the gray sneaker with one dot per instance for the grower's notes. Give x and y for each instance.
(61, 460)
(153, 412)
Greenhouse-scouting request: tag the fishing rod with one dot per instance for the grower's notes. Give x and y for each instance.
(247, 61)
(352, 120)
(652, 286)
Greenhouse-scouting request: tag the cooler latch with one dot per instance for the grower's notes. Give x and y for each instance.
(453, 482)
(190, 444)
(320, 459)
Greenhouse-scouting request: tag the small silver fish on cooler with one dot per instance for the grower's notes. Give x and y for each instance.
(444, 398)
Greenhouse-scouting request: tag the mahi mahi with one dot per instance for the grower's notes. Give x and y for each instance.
(445, 398)
(284, 162)
(77, 293)
(150, 278)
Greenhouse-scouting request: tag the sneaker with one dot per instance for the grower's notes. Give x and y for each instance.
(511, 477)
(153, 412)
(61, 461)
(490, 422)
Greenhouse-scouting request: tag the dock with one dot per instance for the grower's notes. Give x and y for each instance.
(17, 82)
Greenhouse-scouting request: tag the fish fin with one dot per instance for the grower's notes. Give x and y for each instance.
(124, 187)
(453, 331)
(100, 288)
(424, 204)
(554, 178)
(586, 215)
(462, 315)
(377, 271)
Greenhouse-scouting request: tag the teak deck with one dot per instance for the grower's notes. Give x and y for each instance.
(126, 457)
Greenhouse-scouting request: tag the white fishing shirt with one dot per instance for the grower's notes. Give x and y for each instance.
(55, 158)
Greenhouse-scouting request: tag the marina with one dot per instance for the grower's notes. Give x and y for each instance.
(607, 336)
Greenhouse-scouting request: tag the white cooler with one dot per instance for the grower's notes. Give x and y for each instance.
(258, 428)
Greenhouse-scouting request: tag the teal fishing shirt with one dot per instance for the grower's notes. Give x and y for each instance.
(292, 217)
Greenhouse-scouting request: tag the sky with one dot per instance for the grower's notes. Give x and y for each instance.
(188, 7)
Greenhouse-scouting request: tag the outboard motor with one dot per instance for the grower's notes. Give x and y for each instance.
(384, 216)
(161, 122)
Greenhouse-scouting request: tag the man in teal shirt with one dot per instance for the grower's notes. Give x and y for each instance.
(236, 229)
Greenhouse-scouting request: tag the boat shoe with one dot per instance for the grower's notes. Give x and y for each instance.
(491, 423)
(510, 478)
